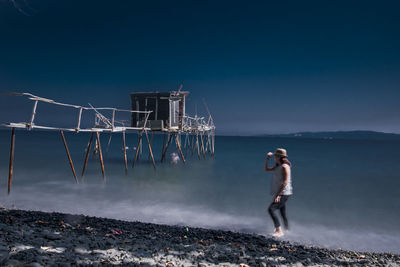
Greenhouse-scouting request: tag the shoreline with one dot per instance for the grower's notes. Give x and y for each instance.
(35, 238)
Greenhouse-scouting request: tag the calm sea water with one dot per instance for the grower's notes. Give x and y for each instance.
(346, 192)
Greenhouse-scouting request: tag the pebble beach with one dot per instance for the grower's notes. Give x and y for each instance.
(33, 238)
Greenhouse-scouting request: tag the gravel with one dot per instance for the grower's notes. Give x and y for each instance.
(32, 238)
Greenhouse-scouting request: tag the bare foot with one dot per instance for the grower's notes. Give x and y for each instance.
(278, 234)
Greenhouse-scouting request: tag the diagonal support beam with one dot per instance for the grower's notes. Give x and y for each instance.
(137, 149)
(87, 154)
(69, 156)
(150, 150)
(11, 165)
(100, 156)
(178, 143)
(124, 149)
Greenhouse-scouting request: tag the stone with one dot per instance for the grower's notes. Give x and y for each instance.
(4, 255)
(33, 264)
(52, 236)
(12, 263)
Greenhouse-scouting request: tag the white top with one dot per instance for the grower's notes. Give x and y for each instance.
(277, 181)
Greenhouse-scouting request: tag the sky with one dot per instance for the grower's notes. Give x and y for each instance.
(261, 66)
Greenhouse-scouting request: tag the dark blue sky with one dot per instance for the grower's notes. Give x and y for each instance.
(263, 67)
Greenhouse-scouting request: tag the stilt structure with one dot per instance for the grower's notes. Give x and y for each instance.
(153, 112)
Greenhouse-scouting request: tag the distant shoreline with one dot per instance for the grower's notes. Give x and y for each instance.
(356, 134)
(41, 239)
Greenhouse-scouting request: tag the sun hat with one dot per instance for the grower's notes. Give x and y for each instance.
(280, 152)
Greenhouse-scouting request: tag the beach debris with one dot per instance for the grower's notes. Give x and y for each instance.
(117, 232)
(41, 222)
(221, 237)
(237, 244)
(51, 249)
(204, 242)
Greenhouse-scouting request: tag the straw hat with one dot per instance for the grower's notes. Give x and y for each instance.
(280, 152)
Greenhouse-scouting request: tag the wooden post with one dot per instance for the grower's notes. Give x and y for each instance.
(193, 144)
(206, 143)
(11, 166)
(178, 143)
(213, 143)
(166, 147)
(150, 150)
(163, 145)
(202, 143)
(198, 145)
(124, 149)
(69, 156)
(33, 115)
(100, 155)
(79, 120)
(87, 153)
(113, 118)
(152, 139)
(137, 149)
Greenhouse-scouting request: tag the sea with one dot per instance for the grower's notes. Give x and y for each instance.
(346, 193)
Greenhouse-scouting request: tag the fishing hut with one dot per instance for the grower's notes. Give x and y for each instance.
(169, 118)
(151, 112)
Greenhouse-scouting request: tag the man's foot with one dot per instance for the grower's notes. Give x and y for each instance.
(278, 234)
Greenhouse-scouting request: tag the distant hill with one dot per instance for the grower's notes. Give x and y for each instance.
(363, 135)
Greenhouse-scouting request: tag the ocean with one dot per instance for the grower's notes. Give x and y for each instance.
(346, 192)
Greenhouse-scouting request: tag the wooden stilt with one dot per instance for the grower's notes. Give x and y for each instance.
(178, 143)
(193, 144)
(206, 143)
(95, 149)
(202, 143)
(213, 143)
(124, 149)
(137, 149)
(11, 166)
(100, 155)
(163, 145)
(69, 156)
(198, 145)
(140, 148)
(150, 150)
(87, 153)
(166, 147)
(151, 142)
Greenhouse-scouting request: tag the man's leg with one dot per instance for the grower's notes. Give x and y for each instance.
(282, 209)
(274, 206)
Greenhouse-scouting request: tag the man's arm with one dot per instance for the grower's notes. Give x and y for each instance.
(285, 174)
(266, 168)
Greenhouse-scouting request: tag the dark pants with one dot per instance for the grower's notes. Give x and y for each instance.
(281, 205)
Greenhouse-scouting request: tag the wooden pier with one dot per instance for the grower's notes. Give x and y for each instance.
(151, 112)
